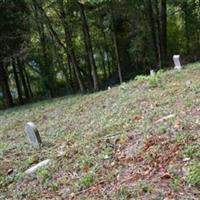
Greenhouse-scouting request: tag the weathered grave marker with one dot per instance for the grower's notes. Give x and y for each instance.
(33, 134)
(177, 63)
(152, 72)
(38, 166)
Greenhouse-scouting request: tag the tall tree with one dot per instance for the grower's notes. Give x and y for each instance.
(17, 81)
(163, 20)
(5, 86)
(14, 28)
(88, 45)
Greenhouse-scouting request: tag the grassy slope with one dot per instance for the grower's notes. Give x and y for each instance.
(112, 144)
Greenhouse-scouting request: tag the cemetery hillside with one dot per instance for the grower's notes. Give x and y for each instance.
(100, 99)
(138, 140)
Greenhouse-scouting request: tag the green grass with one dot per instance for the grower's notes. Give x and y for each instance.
(99, 159)
(193, 176)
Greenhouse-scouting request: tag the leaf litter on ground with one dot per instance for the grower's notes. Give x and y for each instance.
(126, 142)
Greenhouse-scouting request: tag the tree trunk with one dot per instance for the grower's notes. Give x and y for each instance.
(28, 82)
(17, 82)
(5, 86)
(42, 37)
(152, 25)
(163, 13)
(159, 35)
(187, 33)
(68, 38)
(20, 67)
(88, 44)
(106, 48)
(116, 45)
(69, 44)
(103, 64)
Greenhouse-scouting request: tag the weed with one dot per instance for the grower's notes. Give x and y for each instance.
(86, 160)
(192, 151)
(6, 180)
(86, 181)
(125, 193)
(107, 152)
(53, 186)
(153, 81)
(145, 187)
(43, 174)
(184, 137)
(193, 177)
(175, 183)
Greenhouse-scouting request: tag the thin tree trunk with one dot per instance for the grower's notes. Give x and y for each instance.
(20, 67)
(88, 44)
(117, 57)
(185, 9)
(103, 64)
(28, 82)
(116, 45)
(163, 11)
(17, 82)
(70, 75)
(159, 35)
(42, 37)
(106, 48)
(68, 40)
(151, 18)
(108, 64)
(5, 86)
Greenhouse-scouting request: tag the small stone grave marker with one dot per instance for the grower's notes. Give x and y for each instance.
(38, 166)
(33, 134)
(152, 72)
(177, 63)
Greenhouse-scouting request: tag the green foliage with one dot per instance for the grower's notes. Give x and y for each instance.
(175, 183)
(193, 176)
(86, 181)
(145, 187)
(153, 81)
(192, 151)
(86, 160)
(107, 152)
(6, 180)
(125, 193)
(44, 174)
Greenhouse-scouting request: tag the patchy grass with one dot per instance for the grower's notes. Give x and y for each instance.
(139, 140)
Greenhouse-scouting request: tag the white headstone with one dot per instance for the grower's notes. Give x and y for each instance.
(152, 72)
(177, 63)
(33, 134)
(38, 166)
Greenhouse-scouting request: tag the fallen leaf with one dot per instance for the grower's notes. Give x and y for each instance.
(166, 176)
(136, 118)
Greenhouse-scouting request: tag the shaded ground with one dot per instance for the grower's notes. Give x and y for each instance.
(136, 141)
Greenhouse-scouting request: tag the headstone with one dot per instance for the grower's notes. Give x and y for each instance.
(33, 134)
(38, 166)
(152, 72)
(177, 63)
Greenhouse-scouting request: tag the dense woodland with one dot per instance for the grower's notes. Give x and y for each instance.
(51, 48)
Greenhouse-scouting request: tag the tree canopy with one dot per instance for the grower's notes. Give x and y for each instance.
(56, 47)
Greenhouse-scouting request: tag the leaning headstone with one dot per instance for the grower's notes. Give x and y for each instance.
(38, 166)
(177, 63)
(33, 134)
